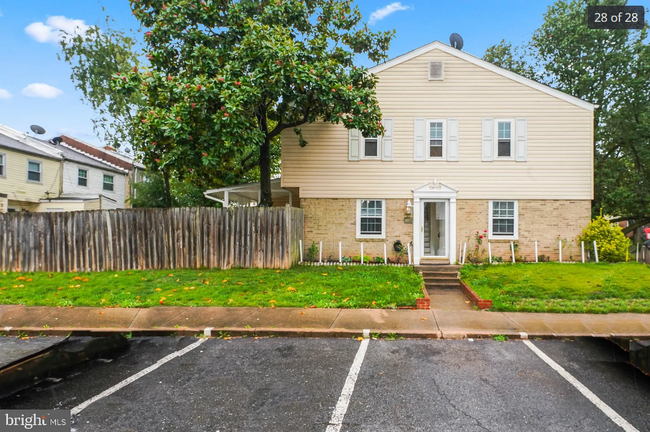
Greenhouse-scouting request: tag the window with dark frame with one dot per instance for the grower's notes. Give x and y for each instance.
(82, 178)
(108, 182)
(34, 171)
(371, 217)
(2, 165)
(504, 139)
(503, 218)
(435, 139)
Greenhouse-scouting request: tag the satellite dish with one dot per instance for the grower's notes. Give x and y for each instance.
(57, 140)
(456, 41)
(37, 129)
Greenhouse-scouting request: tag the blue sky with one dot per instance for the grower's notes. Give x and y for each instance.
(35, 86)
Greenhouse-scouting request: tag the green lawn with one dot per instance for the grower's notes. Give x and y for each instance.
(555, 287)
(323, 287)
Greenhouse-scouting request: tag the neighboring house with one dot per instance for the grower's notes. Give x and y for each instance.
(134, 169)
(28, 173)
(468, 147)
(49, 176)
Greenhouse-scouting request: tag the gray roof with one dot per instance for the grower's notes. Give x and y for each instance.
(16, 145)
(75, 156)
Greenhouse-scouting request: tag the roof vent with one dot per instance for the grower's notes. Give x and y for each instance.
(435, 71)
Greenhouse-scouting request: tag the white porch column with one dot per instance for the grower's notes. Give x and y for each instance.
(452, 230)
(417, 212)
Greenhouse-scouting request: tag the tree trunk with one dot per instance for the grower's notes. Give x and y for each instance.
(266, 200)
(168, 192)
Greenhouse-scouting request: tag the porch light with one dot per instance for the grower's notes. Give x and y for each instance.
(409, 207)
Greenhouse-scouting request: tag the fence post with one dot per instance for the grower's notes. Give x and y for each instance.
(320, 252)
(637, 252)
(409, 252)
(595, 251)
(340, 256)
(464, 252)
(560, 246)
(460, 252)
(385, 256)
(361, 253)
(300, 241)
(582, 248)
(490, 251)
(536, 254)
(512, 249)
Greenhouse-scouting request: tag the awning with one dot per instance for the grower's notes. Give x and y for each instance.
(248, 194)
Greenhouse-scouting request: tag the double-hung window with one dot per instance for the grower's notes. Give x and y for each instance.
(82, 178)
(371, 218)
(108, 183)
(436, 138)
(504, 139)
(371, 147)
(34, 171)
(3, 165)
(503, 220)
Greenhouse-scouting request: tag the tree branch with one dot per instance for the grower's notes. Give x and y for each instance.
(636, 225)
(282, 126)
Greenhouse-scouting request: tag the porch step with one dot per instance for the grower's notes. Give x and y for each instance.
(440, 278)
(442, 285)
(434, 261)
(438, 268)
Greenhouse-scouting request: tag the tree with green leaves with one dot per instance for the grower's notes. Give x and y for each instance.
(227, 78)
(611, 69)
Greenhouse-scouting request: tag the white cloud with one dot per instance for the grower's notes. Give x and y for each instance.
(383, 12)
(53, 29)
(4, 94)
(41, 90)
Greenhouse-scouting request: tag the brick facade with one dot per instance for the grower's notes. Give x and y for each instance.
(541, 220)
(334, 220)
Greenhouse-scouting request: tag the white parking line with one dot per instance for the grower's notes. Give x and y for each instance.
(609, 412)
(344, 400)
(76, 410)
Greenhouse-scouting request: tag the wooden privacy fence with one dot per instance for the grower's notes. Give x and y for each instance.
(151, 239)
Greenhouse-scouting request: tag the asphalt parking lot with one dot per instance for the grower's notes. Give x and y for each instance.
(305, 384)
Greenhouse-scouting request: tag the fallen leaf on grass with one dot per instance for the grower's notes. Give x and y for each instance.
(85, 280)
(374, 303)
(20, 278)
(240, 283)
(28, 280)
(313, 306)
(324, 274)
(277, 271)
(170, 275)
(360, 338)
(174, 290)
(340, 268)
(292, 289)
(272, 301)
(230, 300)
(346, 299)
(77, 278)
(157, 289)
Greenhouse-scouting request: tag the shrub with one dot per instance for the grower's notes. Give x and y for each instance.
(312, 252)
(612, 243)
(366, 258)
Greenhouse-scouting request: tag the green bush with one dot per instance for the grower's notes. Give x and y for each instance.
(612, 243)
(366, 258)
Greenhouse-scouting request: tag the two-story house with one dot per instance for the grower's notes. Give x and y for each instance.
(469, 147)
(40, 175)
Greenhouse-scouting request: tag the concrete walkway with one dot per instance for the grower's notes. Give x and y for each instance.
(448, 324)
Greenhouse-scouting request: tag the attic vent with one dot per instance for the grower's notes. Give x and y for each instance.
(435, 71)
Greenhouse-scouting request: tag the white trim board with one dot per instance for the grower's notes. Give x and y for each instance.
(485, 65)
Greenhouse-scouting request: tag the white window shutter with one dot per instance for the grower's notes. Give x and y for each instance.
(387, 141)
(488, 139)
(452, 140)
(521, 145)
(419, 133)
(354, 142)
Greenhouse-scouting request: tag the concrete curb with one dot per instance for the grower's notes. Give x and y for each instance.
(307, 332)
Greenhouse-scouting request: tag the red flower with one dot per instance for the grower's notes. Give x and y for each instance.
(135, 69)
(311, 71)
(220, 79)
(148, 33)
(360, 103)
(193, 105)
(169, 78)
(226, 114)
(204, 154)
(365, 110)
(149, 56)
(349, 87)
(157, 160)
(279, 62)
(144, 121)
(223, 108)
(237, 83)
(178, 118)
(198, 87)
(153, 143)
(484, 231)
(480, 237)
(164, 7)
(333, 90)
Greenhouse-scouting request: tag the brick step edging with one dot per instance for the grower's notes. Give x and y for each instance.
(474, 298)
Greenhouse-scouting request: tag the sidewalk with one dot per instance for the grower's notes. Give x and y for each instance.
(448, 324)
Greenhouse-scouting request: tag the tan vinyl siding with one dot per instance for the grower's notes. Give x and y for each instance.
(559, 164)
(15, 183)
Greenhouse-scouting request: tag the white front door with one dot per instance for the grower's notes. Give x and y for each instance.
(434, 230)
